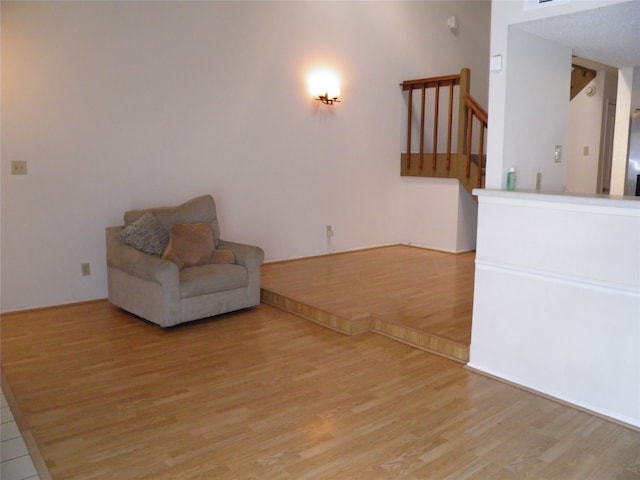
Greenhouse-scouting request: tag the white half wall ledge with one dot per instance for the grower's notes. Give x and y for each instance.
(557, 297)
(615, 201)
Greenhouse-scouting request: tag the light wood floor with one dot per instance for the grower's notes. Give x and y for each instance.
(262, 394)
(418, 296)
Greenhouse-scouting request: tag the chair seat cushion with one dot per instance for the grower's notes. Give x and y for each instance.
(212, 278)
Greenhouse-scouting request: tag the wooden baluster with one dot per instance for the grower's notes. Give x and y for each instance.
(435, 128)
(450, 127)
(424, 94)
(409, 107)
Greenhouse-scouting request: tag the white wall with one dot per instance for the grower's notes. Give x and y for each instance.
(119, 105)
(624, 108)
(606, 133)
(633, 167)
(427, 205)
(538, 75)
(585, 125)
(505, 15)
(467, 221)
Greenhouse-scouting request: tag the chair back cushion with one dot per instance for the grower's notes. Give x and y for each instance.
(197, 210)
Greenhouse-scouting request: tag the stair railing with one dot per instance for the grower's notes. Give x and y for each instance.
(469, 113)
(479, 115)
(449, 82)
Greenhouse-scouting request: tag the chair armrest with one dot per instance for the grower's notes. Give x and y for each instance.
(246, 255)
(132, 261)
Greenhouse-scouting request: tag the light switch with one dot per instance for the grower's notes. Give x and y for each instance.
(495, 63)
(585, 151)
(557, 154)
(18, 167)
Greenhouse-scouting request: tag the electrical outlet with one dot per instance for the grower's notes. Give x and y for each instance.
(18, 167)
(538, 180)
(585, 151)
(86, 269)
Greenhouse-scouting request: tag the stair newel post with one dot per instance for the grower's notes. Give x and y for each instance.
(468, 145)
(481, 157)
(463, 122)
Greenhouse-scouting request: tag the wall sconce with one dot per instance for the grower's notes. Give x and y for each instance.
(327, 100)
(324, 85)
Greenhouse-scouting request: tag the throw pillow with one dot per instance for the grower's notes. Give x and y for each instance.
(190, 244)
(223, 256)
(146, 234)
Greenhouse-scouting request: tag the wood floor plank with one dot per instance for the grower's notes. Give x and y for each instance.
(262, 394)
(418, 296)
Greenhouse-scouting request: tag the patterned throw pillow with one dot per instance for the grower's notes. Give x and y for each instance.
(146, 234)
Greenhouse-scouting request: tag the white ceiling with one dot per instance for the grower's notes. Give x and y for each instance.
(608, 35)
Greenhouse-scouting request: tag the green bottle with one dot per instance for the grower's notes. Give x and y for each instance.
(511, 179)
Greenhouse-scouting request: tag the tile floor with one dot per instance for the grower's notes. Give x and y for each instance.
(16, 463)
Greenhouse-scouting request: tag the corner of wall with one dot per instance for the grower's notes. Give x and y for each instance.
(467, 221)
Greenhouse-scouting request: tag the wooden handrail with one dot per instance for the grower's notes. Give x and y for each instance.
(477, 110)
(430, 82)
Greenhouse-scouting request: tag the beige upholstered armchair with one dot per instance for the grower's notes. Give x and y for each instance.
(168, 265)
